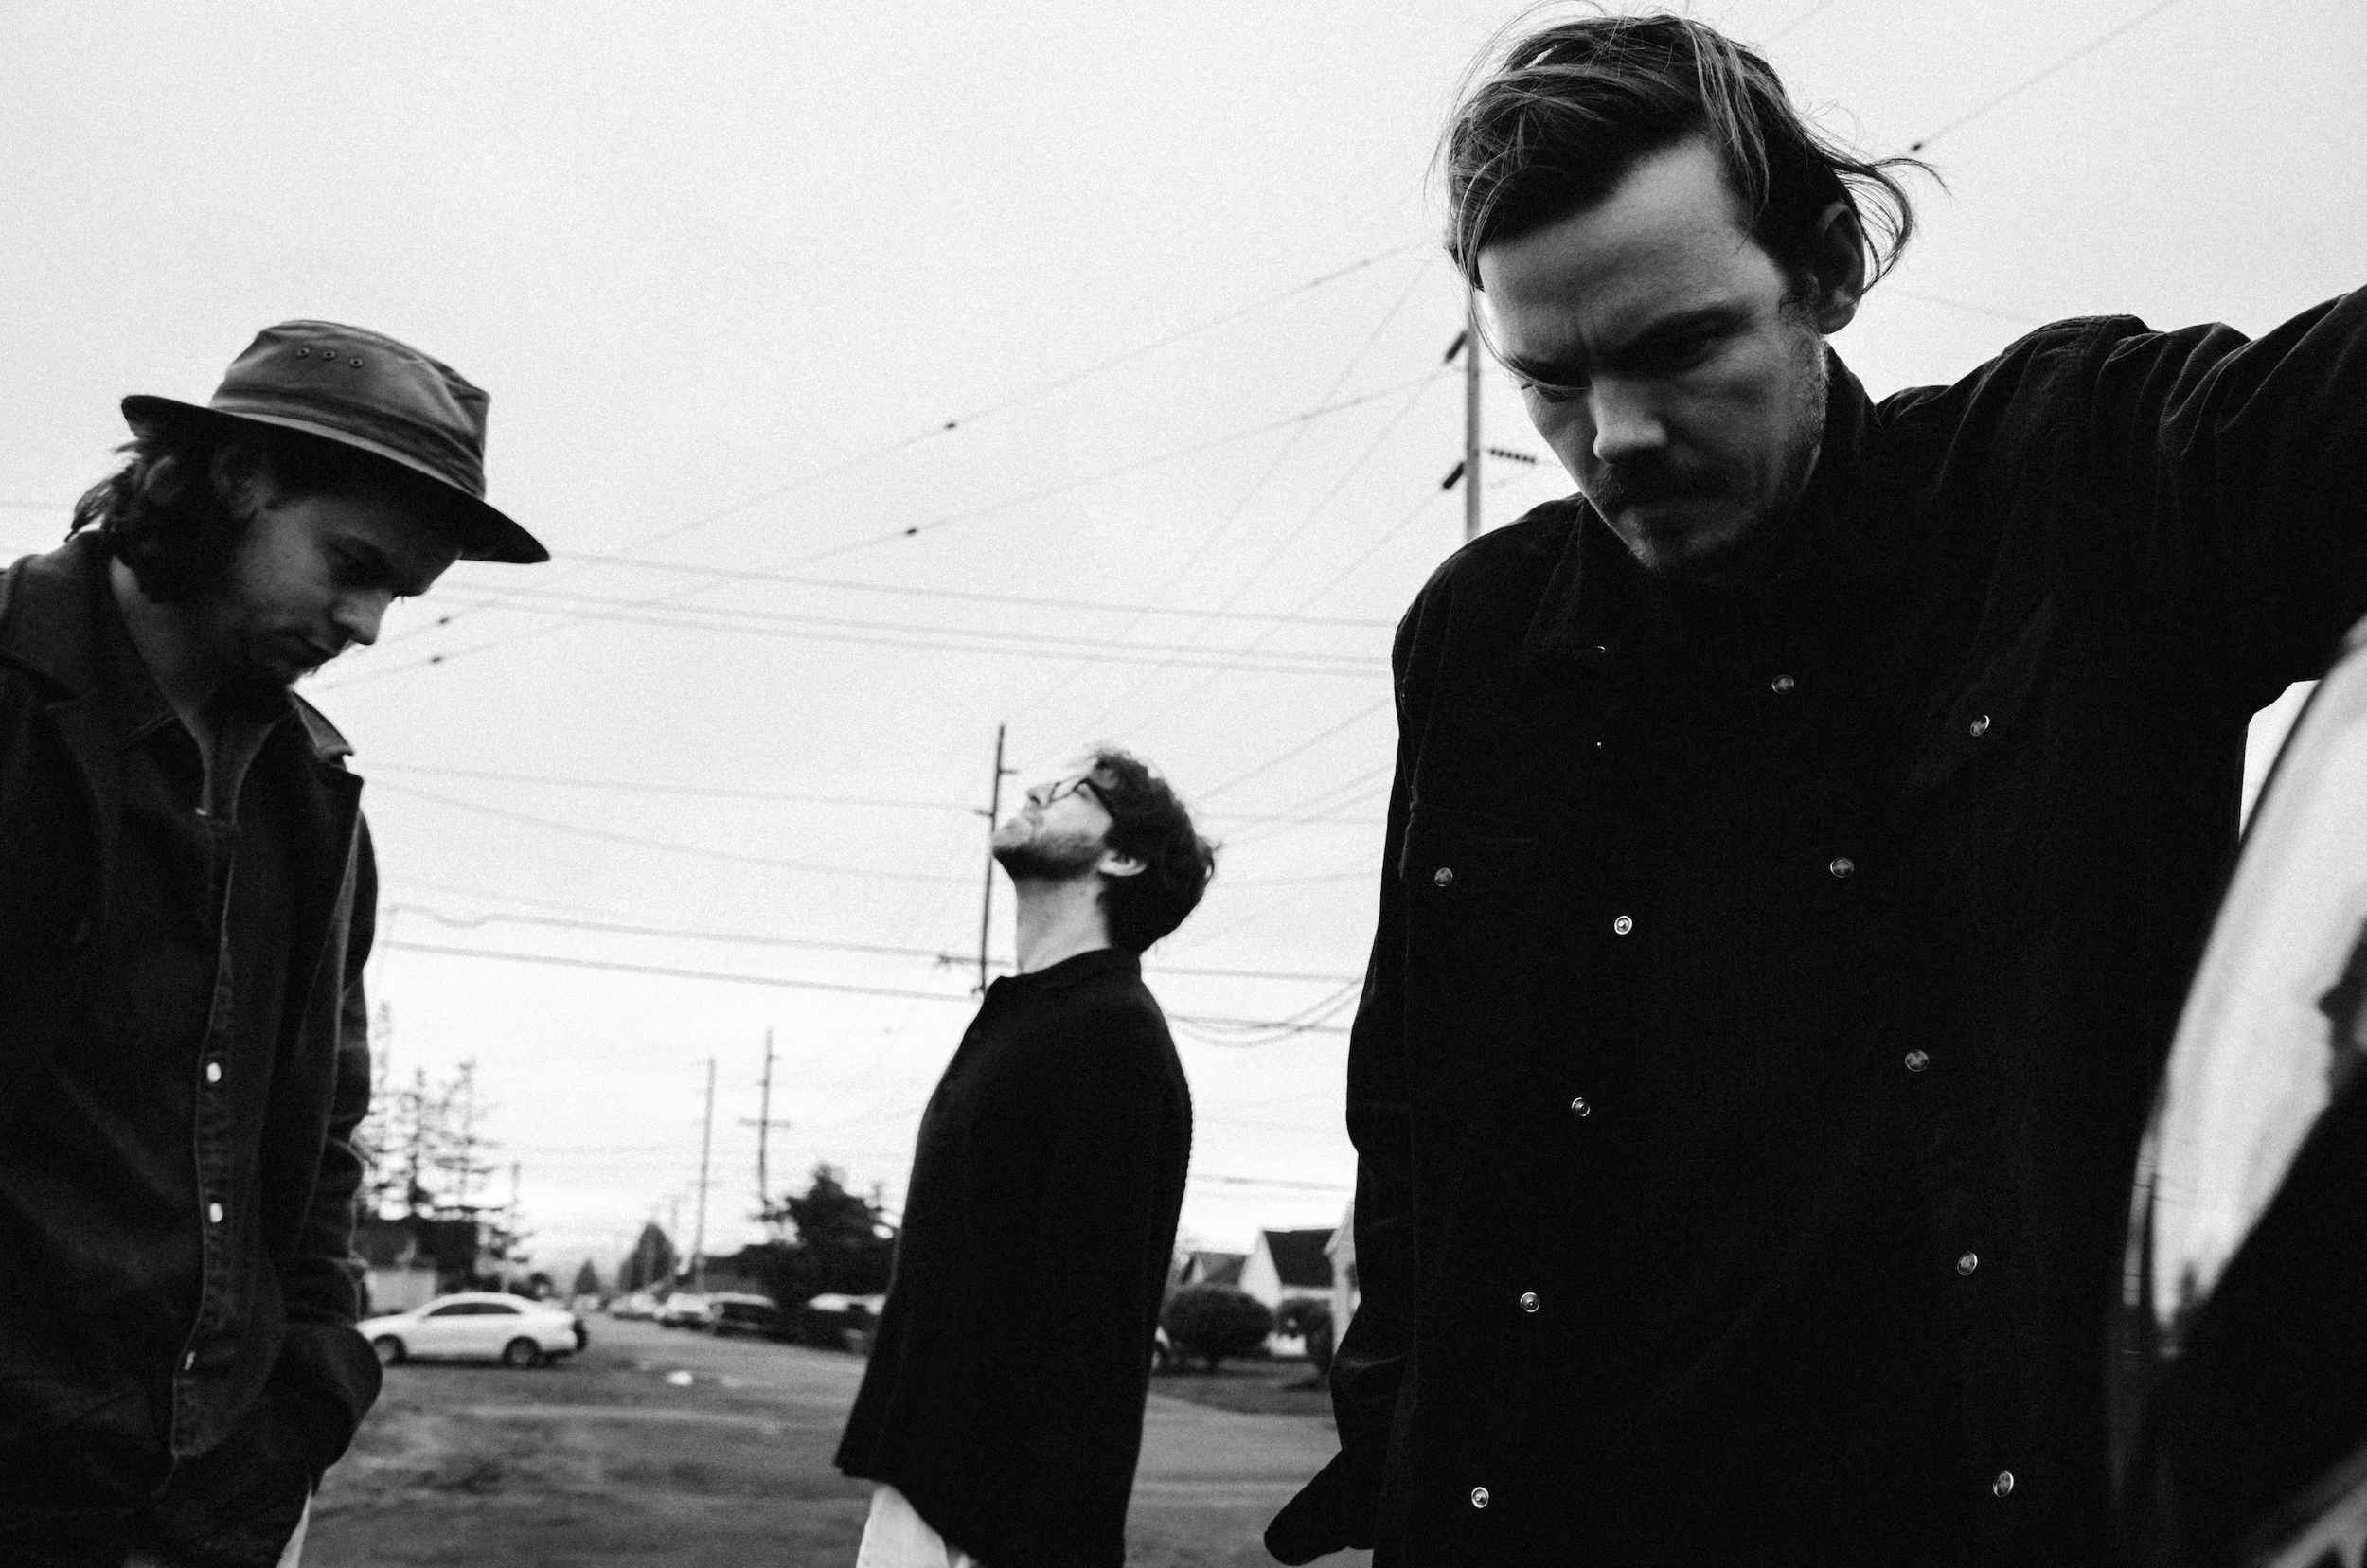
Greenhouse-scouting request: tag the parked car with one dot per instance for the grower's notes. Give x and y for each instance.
(682, 1309)
(641, 1304)
(478, 1325)
(835, 1321)
(737, 1313)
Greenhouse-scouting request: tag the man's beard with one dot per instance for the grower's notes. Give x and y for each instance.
(1048, 857)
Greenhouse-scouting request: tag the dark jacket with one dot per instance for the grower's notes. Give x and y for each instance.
(1768, 986)
(1005, 1394)
(272, 1392)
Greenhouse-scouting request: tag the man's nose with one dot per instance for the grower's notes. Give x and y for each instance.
(358, 615)
(1626, 423)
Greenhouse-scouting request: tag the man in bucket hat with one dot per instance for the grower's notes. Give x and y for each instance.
(186, 901)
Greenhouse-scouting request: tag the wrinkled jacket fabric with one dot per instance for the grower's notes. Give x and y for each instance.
(1948, 804)
(280, 1379)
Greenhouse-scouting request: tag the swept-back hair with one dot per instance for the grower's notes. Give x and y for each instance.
(1148, 822)
(1547, 123)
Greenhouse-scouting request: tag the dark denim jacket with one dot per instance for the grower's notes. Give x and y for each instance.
(1936, 823)
(275, 1380)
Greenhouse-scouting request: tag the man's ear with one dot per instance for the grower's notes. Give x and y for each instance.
(1116, 863)
(1837, 268)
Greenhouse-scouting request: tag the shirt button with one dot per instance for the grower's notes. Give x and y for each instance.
(1443, 876)
(1781, 686)
(213, 1212)
(2003, 1484)
(1528, 1301)
(1841, 865)
(1965, 1264)
(1977, 728)
(213, 1072)
(1621, 926)
(1580, 1109)
(188, 1362)
(1479, 1497)
(1919, 1060)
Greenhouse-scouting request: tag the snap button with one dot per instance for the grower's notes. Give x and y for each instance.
(1841, 865)
(213, 1072)
(213, 1212)
(1965, 1264)
(1580, 1108)
(1528, 1301)
(188, 1362)
(2003, 1484)
(1443, 876)
(1919, 1060)
(1781, 686)
(1479, 1497)
(1621, 926)
(1978, 727)
(355, 363)
(304, 353)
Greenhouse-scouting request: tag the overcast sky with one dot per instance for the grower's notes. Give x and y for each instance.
(729, 272)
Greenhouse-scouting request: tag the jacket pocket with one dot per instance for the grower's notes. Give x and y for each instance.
(1452, 857)
(1981, 717)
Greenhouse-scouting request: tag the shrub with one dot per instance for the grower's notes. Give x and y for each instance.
(1216, 1320)
(1308, 1320)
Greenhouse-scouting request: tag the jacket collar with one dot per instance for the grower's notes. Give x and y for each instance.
(49, 606)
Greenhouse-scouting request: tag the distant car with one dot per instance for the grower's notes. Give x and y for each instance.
(478, 1325)
(837, 1321)
(682, 1309)
(735, 1313)
(641, 1304)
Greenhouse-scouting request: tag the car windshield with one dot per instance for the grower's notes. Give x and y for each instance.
(2276, 1024)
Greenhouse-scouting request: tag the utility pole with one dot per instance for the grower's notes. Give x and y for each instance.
(706, 1143)
(764, 1125)
(1470, 417)
(994, 817)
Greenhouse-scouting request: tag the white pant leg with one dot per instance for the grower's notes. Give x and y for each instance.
(291, 1554)
(897, 1537)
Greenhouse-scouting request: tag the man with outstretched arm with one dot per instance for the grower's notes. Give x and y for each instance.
(186, 901)
(1002, 1410)
(1800, 842)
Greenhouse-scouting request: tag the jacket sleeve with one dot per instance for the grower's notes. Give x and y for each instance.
(2239, 471)
(326, 1377)
(1108, 1191)
(1339, 1508)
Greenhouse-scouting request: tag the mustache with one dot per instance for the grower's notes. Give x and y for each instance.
(1616, 488)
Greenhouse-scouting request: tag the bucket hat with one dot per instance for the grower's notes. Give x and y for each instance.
(363, 389)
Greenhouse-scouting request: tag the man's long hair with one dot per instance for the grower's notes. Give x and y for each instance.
(1148, 822)
(1551, 119)
(171, 509)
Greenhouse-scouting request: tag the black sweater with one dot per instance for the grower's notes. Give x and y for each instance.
(1005, 1394)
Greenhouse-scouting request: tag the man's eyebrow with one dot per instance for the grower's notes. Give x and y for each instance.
(1570, 370)
(381, 569)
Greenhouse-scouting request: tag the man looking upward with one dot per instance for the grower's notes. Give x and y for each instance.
(1002, 1408)
(1800, 842)
(186, 901)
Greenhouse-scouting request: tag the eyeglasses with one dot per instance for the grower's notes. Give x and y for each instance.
(1042, 795)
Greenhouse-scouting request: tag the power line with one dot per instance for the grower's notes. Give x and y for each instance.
(2031, 80)
(669, 971)
(1137, 465)
(796, 797)
(882, 950)
(744, 574)
(1315, 740)
(976, 415)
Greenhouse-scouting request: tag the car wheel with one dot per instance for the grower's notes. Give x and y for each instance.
(389, 1349)
(521, 1352)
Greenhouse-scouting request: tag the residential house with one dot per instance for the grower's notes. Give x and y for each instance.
(1341, 1249)
(1211, 1268)
(1288, 1265)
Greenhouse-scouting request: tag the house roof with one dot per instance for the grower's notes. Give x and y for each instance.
(1215, 1267)
(1299, 1258)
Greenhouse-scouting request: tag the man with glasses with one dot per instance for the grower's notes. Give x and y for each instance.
(1002, 1408)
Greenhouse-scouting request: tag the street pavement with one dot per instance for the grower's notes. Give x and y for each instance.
(671, 1448)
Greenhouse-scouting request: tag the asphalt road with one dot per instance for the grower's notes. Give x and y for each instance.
(614, 1457)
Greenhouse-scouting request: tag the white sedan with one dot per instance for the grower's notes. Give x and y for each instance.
(477, 1324)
